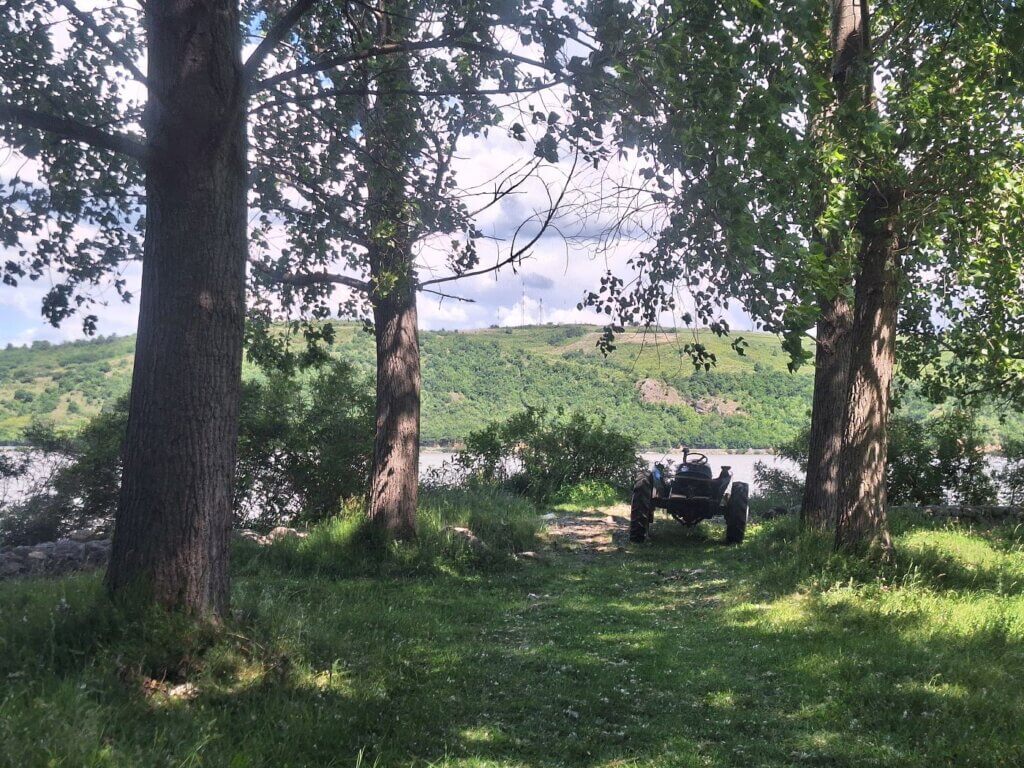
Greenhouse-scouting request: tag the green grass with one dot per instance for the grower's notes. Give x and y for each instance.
(680, 653)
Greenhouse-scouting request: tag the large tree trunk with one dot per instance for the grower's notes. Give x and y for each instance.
(174, 516)
(394, 484)
(849, 44)
(861, 508)
(862, 520)
(390, 123)
(828, 411)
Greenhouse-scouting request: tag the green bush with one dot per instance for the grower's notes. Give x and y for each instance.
(80, 480)
(538, 453)
(1011, 475)
(302, 451)
(589, 493)
(933, 461)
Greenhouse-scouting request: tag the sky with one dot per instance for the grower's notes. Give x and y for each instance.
(546, 287)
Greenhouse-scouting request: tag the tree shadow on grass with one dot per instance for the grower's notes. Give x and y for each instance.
(684, 652)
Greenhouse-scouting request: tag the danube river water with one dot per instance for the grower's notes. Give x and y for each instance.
(742, 463)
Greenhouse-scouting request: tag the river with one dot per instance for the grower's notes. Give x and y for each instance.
(742, 463)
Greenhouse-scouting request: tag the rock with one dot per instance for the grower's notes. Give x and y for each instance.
(83, 535)
(54, 558)
(282, 532)
(475, 543)
(548, 516)
(654, 391)
(10, 566)
(248, 534)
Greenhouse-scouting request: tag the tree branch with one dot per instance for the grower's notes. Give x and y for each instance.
(116, 51)
(425, 93)
(444, 295)
(314, 278)
(449, 41)
(274, 36)
(74, 130)
(518, 252)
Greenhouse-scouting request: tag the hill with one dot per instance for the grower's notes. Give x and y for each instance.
(647, 387)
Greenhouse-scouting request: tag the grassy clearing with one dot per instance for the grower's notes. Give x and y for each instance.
(680, 653)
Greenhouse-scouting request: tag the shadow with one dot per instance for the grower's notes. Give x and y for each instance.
(683, 652)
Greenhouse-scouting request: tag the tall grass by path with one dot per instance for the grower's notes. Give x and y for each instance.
(681, 653)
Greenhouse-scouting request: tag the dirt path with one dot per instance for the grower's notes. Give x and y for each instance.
(594, 531)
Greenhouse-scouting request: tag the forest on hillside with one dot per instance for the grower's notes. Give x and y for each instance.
(647, 388)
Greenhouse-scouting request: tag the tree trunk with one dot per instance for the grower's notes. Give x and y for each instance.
(390, 124)
(394, 482)
(174, 516)
(849, 44)
(828, 411)
(862, 519)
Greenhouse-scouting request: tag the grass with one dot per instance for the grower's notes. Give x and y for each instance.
(680, 653)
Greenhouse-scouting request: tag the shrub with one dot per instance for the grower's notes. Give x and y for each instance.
(302, 452)
(538, 453)
(1011, 475)
(71, 482)
(936, 461)
(589, 493)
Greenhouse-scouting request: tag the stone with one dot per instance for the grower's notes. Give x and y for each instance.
(10, 566)
(475, 543)
(283, 532)
(38, 554)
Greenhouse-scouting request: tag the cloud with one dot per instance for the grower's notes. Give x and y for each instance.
(540, 282)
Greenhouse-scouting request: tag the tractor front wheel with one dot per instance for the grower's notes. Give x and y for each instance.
(736, 513)
(641, 511)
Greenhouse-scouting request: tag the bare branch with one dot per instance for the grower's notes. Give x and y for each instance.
(426, 94)
(274, 36)
(115, 50)
(448, 295)
(409, 46)
(74, 130)
(314, 278)
(518, 253)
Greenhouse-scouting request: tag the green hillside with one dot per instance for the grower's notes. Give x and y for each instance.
(647, 387)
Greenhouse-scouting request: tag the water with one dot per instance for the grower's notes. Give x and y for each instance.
(742, 463)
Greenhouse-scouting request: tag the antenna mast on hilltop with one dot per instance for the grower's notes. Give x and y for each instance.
(522, 308)
(540, 313)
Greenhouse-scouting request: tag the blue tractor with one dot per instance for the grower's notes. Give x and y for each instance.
(690, 493)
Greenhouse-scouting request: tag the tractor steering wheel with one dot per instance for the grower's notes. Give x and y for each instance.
(696, 458)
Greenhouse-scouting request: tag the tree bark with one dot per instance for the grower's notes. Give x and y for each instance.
(390, 123)
(174, 516)
(828, 411)
(820, 504)
(862, 520)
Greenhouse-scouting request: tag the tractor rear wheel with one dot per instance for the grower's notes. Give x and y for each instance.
(736, 513)
(641, 511)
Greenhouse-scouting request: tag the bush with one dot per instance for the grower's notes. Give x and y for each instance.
(539, 453)
(936, 461)
(1011, 475)
(71, 482)
(590, 493)
(302, 452)
(775, 488)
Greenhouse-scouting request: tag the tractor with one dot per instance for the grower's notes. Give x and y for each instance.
(689, 493)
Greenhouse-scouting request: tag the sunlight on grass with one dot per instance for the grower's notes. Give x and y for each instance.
(680, 653)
